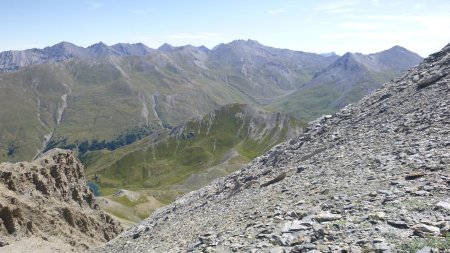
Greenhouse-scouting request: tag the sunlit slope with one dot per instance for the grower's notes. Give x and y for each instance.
(200, 150)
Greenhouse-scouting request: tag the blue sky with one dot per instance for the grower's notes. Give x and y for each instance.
(313, 26)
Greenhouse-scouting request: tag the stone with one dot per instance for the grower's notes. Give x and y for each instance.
(414, 175)
(309, 246)
(381, 247)
(425, 249)
(278, 240)
(443, 205)
(377, 240)
(296, 226)
(299, 238)
(377, 216)
(276, 250)
(422, 229)
(421, 193)
(398, 224)
(323, 248)
(354, 249)
(322, 217)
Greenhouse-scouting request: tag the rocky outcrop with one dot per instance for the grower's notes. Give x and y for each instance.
(48, 200)
(374, 177)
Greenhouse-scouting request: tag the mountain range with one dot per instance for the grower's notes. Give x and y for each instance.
(345, 81)
(14, 60)
(66, 95)
(146, 126)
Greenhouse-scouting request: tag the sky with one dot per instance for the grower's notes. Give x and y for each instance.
(319, 26)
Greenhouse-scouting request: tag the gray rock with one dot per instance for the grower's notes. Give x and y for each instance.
(423, 229)
(425, 249)
(322, 217)
(381, 247)
(443, 205)
(398, 224)
(276, 250)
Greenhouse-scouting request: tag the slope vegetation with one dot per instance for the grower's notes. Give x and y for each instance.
(220, 142)
(159, 168)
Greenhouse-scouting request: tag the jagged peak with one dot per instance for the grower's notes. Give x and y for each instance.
(64, 44)
(100, 44)
(166, 47)
(138, 44)
(242, 42)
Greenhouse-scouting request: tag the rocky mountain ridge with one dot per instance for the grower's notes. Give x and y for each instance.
(374, 177)
(45, 206)
(346, 80)
(15, 60)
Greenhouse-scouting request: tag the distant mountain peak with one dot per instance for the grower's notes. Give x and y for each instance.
(347, 62)
(247, 42)
(203, 48)
(397, 47)
(131, 49)
(166, 47)
(98, 45)
(64, 44)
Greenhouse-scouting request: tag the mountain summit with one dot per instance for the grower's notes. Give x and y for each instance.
(373, 177)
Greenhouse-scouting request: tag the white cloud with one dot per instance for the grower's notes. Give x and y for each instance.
(361, 25)
(419, 6)
(376, 2)
(276, 11)
(334, 7)
(92, 6)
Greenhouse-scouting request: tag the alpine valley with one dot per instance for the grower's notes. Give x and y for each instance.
(152, 124)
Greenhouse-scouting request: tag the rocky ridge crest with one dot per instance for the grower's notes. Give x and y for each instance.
(47, 203)
(373, 177)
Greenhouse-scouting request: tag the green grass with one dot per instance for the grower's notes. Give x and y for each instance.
(108, 94)
(310, 103)
(199, 145)
(416, 244)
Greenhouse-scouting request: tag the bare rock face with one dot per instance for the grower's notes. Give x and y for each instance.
(48, 200)
(374, 177)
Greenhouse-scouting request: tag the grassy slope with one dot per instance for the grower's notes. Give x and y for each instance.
(325, 97)
(169, 159)
(108, 96)
(29, 100)
(165, 165)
